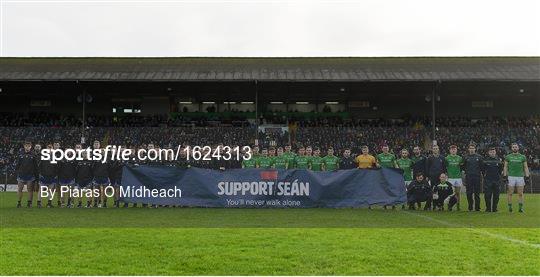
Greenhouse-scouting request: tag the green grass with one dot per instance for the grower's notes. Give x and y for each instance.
(193, 241)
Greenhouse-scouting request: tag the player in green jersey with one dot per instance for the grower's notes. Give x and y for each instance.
(331, 162)
(251, 163)
(309, 155)
(516, 169)
(255, 153)
(272, 154)
(317, 163)
(405, 164)
(264, 161)
(454, 163)
(309, 151)
(280, 161)
(289, 155)
(302, 161)
(386, 159)
(288, 149)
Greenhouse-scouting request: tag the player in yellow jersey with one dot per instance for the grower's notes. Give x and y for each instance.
(365, 160)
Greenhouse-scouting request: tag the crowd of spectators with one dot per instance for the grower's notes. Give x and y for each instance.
(42, 119)
(336, 132)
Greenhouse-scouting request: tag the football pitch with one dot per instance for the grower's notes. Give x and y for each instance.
(217, 241)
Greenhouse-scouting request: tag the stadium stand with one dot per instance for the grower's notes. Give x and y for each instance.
(138, 131)
(491, 101)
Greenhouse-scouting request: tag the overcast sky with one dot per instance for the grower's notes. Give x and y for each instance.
(270, 28)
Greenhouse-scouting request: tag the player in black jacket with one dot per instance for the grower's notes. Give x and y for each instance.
(419, 161)
(115, 176)
(182, 161)
(101, 177)
(133, 161)
(66, 178)
(84, 178)
(347, 162)
(37, 150)
(149, 149)
(48, 176)
(435, 165)
(443, 193)
(492, 167)
(472, 163)
(419, 191)
(170, 162)
(26, 169)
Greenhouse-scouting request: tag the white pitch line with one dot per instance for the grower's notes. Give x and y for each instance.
(478, 231)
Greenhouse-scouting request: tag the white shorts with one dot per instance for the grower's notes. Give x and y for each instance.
(514, 181)
(457, 182)
(407, 183)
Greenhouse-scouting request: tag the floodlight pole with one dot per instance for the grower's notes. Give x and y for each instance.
(256, 110)
(83, 139)
(433, 110)
(433, 131)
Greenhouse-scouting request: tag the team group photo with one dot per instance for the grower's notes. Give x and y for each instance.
(435, 179)
(269, 138)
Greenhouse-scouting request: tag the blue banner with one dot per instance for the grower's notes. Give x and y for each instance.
(198, 187)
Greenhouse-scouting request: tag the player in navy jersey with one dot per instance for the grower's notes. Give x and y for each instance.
(84, 178)
(26, 169)
(100, 172)
(48, 176)
(66, 178)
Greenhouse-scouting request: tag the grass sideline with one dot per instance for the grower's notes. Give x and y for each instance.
(197, 241)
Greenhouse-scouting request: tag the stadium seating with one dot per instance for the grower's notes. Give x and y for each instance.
(338, 132)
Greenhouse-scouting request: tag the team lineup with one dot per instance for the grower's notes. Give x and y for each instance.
(434, 179)
(269, 138)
